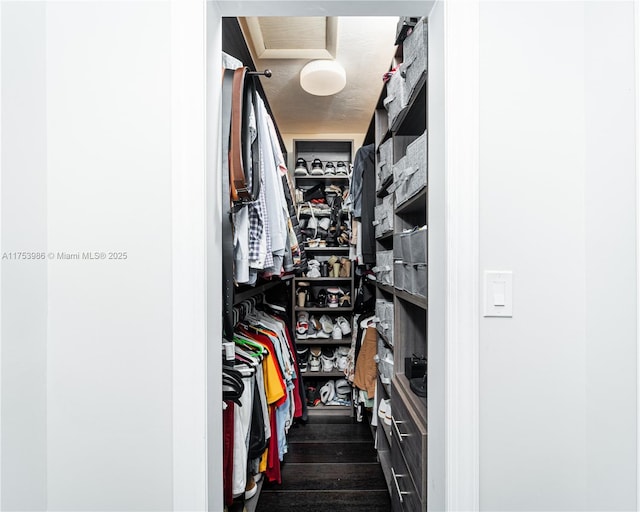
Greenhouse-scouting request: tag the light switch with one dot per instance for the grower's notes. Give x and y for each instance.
(498, 293)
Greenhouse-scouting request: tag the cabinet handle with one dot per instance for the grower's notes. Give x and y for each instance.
(395, 481)
(395, 426)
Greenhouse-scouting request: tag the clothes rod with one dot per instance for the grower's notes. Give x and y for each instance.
(266, 72)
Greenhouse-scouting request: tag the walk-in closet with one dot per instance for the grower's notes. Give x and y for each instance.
(325, 270)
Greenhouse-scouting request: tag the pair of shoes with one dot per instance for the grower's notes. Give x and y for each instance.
(337, 297)
(313, 396)
(341, 169)
(345, 267)
(384, 411)
(327, 359)
(303, 294)
(302, 325)
(303, 359)
(301, 168)
(314, 359)
(342, 358)
(316, 167)
(314, 268)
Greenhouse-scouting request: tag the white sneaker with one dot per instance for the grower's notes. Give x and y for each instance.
(337, 332)
(344, 325)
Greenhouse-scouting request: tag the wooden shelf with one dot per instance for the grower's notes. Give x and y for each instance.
(321, 280)
(388, 235)
(384, 187)
(246, 292)
(337, 374)
(329, 177)
(413, 299)
(341, 249)
(417, 403)
(323, 341)
(386, 288)
(413, 119)
(415, 204)
(326, 310)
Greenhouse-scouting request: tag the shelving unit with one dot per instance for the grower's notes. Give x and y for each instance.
(397, 137)
(327, 151)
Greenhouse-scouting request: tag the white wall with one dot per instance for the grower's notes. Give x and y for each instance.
(24, 283)
(557, 206)
(86, 167)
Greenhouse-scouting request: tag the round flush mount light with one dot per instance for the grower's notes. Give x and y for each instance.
(323, 77)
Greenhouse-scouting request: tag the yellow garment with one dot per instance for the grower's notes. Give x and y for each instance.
(273, 385)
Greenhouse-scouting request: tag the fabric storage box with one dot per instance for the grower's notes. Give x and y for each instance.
(418, 246)
(405, 243)
(397, 246)
(384, 312)
(384, 216)
(413, 177)
(409, 278)
(414, 51)
(398, 275)
(420, 280)
(384, 267)
(396, 101)
(385, 163)
(385, 362)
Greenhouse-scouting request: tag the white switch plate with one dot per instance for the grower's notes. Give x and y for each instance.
(498, 293)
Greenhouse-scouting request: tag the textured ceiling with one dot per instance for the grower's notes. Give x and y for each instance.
(365, 47)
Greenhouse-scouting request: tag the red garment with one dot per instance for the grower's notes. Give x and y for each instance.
(273, 462)
(227, 451)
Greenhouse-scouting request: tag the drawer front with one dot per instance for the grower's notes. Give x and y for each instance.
(404, 496)
(411, 438)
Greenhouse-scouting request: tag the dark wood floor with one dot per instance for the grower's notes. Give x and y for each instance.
(331, 465)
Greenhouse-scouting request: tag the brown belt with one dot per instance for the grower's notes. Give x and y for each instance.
(239, 189)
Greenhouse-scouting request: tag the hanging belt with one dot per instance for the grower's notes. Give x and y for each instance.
(240, 190)
(227, 226)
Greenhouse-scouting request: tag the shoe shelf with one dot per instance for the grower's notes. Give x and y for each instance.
(334, 374)
(323, 341)
(322, 280)
(330, 250)
(326, 151)
(321, 177)
(326, 310)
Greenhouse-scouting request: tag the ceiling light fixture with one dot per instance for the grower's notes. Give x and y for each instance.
(323, 77)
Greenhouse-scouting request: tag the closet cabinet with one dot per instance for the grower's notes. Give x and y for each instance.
(399, 131)
(324, 248)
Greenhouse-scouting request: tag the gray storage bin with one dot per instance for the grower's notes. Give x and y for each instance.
(385, 163)
(384, 216)
(414, 50)
(420, 280)
(418, 243)
(409, 278)
(396, 101)
(412, 177)
(397, 246)
(398, 275)
(385, 314)
(405, 242)
(384, 267)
